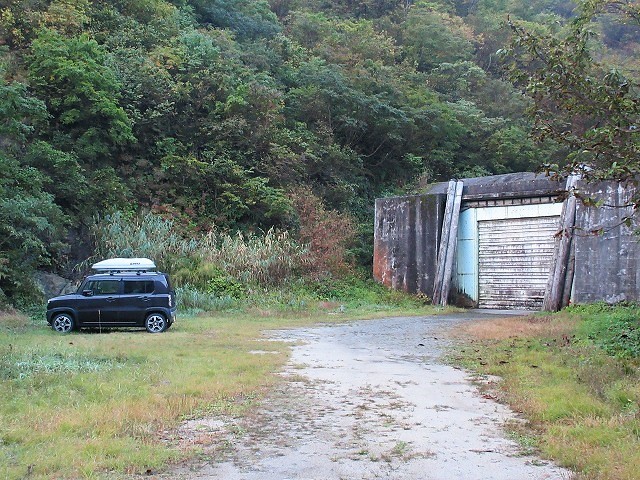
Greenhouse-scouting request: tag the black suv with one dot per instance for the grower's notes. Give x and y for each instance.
(107, 300)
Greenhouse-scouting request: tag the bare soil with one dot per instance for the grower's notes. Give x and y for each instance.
(366, 400)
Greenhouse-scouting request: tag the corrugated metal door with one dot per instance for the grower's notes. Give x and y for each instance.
(514, 259)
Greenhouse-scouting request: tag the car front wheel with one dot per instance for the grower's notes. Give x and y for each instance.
(63, 323)
(155, 323)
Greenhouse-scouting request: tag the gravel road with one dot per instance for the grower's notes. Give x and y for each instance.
(369, 400)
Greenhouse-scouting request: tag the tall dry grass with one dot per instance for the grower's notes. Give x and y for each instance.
(143, 235)
(267, 259)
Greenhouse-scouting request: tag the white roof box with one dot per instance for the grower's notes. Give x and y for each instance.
(124, 265)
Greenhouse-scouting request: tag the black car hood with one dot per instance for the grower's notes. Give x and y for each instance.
(62, 297)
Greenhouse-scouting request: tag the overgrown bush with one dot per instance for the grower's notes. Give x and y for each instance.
(615, 329)
(268, 259)
(217, 271)
(354, 290)
(327, 233)
(211, 279)
(144, 235)
(192, 300)
(215, 263)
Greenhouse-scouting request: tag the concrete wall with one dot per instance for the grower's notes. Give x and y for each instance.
(407, 232)
(607, 252)
(510, 185)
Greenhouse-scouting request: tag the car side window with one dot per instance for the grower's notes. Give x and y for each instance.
(103, 287)
(138, 286)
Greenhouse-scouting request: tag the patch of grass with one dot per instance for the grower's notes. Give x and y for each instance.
(95, 405)
(30, 363)
(614, 329)
(400, 449)
(193, 301)
(356, 292)
(575, 379)
(302, 297)
(527, 441)
(11, 322)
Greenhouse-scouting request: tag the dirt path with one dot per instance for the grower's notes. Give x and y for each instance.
(369, 400)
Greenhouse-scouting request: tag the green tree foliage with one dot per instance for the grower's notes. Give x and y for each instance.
(360, 8)
(246, 18)
(212, 112)
(66, 179)
(588, 106)
(30, 227)
(19, 112)
(31, 224)
(431, 37)
(81, 92)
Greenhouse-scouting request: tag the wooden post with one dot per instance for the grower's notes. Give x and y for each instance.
(557, 283)
(451, 248)
(568, 281)
(448, 238)
(444, 242)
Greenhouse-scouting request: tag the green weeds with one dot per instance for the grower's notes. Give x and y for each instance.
(614, 329)
(576, 378)
(191, 300)
(36, 362)
(340, 295)
(103, 405)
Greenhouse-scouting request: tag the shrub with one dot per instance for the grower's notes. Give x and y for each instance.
(192, 300)
(270, 259)
(328, 235)
(143, 235)
(211, 279)
(214, 262)
(356, 291)
(614, 329)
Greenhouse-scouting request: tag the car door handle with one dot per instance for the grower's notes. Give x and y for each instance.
(110, 299)
(144, 299)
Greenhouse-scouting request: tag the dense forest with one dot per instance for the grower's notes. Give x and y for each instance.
(243, 115)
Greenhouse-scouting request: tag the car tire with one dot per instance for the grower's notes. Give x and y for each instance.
(63, 323)
(155, 323)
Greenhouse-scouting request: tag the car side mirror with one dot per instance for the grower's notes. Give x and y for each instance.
(87, 293)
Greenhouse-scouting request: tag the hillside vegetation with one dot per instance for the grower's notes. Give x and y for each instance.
(234, 115)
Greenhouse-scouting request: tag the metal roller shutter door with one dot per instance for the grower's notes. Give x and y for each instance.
(514, 259)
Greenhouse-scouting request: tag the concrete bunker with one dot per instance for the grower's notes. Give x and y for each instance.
(521, 241)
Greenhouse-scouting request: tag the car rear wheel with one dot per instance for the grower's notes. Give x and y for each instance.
(63, 323)
(155, 323)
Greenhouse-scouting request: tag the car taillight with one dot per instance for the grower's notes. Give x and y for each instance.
(170, 301)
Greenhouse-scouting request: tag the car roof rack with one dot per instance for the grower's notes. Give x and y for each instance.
(124, 265)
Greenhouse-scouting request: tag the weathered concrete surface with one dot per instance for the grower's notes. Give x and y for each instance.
(607, 252)
(407, 231)
(606, 262)
(512, 185)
